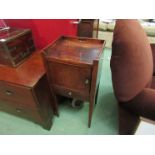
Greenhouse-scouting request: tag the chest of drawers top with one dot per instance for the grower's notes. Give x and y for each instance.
(75, 50)
(27, 74)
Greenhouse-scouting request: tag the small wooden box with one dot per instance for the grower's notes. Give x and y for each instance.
(15, 46)
(24, 91)
(73, 67)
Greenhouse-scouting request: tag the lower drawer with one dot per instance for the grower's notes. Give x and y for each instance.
(70, 93)
(21, 111)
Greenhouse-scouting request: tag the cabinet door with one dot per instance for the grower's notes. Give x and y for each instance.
(69, 76)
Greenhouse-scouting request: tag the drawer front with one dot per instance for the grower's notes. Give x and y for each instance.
(18, 94)
(16, 109)
(72, 77)
(70, 93)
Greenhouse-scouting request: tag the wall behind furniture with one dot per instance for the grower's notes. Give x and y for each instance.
(45, 30)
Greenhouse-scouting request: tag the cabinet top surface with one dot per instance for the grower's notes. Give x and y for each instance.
(75, 49)
(27, 74)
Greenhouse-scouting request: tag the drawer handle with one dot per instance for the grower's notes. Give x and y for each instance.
(86, 81)
(8, 92)
(18, 110)
(70, 93)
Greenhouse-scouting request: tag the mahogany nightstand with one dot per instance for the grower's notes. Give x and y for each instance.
(73, 68)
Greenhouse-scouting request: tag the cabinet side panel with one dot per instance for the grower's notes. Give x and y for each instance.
(45, 100)
(99, 71)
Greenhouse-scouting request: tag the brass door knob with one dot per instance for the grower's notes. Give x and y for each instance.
(18, 110)
(86, 81)
(70, 93)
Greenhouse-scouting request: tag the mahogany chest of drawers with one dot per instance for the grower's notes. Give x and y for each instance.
(15, 46)
(73, 67)
(24, 91)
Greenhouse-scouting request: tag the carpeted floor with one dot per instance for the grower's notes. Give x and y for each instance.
(72, 121)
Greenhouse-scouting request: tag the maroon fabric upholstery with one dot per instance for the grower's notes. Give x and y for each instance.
(143, 104)
(153, 83)
(153, 54)
(131, 61)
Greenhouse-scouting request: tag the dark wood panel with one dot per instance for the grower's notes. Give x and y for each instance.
(70, 76)
(88, 28)
(44, 99)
